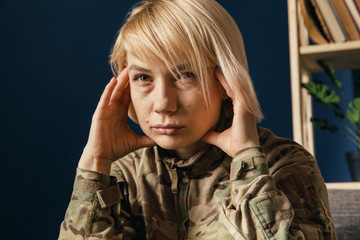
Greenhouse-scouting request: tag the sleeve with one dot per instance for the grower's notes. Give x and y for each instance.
(95, 209)
(257, 208)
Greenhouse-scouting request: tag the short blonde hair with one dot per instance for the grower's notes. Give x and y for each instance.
(196, 32)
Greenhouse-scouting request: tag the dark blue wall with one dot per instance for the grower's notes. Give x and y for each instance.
(330, 148)
(53, 68)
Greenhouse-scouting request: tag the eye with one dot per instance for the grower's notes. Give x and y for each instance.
(187, 75)
(142, 78)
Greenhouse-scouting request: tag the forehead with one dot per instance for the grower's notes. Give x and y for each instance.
(142, 60)
(135, 63)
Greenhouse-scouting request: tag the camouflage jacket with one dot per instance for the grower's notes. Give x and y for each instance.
(272, 191)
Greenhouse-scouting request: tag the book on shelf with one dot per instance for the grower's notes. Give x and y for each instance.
(312, 23)
(322, 24)
(357, 3)
(355, 14)
(332, 21)
(345, 18)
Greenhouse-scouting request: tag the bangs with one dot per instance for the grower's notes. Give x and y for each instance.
(155, 38)
(199, 34)
(155, 33)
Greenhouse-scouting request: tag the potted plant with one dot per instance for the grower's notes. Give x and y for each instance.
(331, 95)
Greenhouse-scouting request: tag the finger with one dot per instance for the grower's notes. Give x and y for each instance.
(121, 91)
(220, 76)
(106, 95)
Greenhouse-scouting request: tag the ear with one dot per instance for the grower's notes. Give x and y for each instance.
(224, 96)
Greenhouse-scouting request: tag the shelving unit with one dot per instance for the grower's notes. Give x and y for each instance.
(339, 55)
(303, 62)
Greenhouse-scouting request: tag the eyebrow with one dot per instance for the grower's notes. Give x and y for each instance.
(180, 67)
(138, 68)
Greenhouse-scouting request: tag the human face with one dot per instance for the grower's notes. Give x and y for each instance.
(172, 111)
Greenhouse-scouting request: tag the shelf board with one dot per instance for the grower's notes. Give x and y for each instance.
(340, 56)
(344, 185)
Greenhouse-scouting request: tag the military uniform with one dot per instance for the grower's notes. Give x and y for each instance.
(271, 191)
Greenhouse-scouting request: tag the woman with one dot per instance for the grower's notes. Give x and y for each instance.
(203, 169)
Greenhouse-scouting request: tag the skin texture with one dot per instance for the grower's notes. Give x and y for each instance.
(243, 131)
(110, 136)
(171, 112)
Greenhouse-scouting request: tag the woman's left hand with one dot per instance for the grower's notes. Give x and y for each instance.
(243, 132)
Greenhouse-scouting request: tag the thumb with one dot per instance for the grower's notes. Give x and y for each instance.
(212, 138)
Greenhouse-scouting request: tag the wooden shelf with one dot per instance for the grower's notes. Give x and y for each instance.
(344, 55)
(344, 185)
(303, 62)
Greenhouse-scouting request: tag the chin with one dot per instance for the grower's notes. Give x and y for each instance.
(168, 145)
(172, 143)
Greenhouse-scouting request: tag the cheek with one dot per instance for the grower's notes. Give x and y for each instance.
(205, 116)
(140, 104)
(212, 113)
(133, 97)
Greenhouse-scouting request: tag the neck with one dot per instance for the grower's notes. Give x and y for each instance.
(189, 151)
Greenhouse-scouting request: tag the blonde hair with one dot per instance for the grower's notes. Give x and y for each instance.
(196, 32)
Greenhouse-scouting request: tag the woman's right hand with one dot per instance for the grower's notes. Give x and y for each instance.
(110, 136)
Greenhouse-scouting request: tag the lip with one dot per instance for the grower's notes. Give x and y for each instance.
(167, 129)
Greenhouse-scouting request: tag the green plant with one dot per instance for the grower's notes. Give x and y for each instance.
(331, 95)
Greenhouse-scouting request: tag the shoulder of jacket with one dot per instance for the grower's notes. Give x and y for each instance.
(282, 151)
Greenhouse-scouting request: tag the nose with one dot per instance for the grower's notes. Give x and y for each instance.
(165, 98)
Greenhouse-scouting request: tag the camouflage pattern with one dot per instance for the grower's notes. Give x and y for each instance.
(272, 191)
